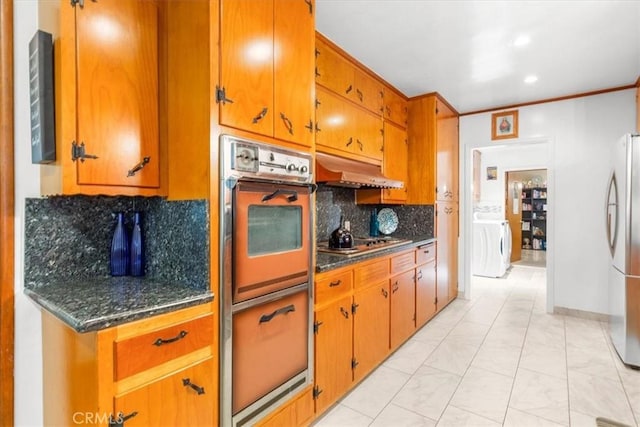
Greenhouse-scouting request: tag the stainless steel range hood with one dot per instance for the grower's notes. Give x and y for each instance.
(340, 172)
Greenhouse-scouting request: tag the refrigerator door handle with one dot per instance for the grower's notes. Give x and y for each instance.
(611, 213)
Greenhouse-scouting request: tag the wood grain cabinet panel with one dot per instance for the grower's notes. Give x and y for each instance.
(267, 57)
(368, 92)
(447, 215)
(370, 328)
(184, 398)
(333, 70)
(403, 317)
(333, 352)
(403, 262)
(396, 108)
(368, 273)
(425, 292)
(330, 286)
(426, 253)
(136, 354)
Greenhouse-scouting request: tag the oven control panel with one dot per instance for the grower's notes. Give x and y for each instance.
(244, 158)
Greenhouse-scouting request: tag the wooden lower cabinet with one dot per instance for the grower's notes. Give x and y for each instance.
(333, 355)
(403, 316)
(370, 328)
(80, 375)
(447, 255)
(179, 399)
(425, 292)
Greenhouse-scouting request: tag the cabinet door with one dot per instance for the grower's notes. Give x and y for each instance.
(367, 132)
(294, 46)
(332, 70)
(447, 252)
(117, 92)
(395, 163)
(246, 66)
(425, 292)
(192, 395)
(370, 328)
(333, 352)
(335, 122)
(402, 307)
(395, 108)
(367, 92)
(447, 153)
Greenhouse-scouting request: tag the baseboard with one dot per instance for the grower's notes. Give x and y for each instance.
(589, 315)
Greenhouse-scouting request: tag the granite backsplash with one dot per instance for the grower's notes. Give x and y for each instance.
(332, 202)
(70, 237)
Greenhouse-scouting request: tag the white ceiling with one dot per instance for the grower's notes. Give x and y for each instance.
(465, 50)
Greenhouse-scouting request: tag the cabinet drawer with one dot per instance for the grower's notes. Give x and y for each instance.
(403, 262)
(142, 352)
(425, 253)
(333, 286)
(372, 272)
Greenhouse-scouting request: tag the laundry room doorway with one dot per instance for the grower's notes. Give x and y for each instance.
(526, 210)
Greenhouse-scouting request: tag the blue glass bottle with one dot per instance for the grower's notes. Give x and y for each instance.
(119, 262)
(137, 246)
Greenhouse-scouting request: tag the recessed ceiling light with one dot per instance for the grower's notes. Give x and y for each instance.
(531, 79)
(521, 40)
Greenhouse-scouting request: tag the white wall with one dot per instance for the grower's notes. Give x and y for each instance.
(28, 337)
(579, 132)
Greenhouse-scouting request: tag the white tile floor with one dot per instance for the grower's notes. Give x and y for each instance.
(497, 360)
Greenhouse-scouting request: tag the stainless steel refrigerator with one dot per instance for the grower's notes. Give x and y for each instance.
(623, 234)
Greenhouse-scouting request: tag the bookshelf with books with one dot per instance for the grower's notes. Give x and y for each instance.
(534, 218)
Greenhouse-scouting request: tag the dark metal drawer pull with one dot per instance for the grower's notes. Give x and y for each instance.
(287, 123)
(336, 283)
(119, 420)
(187, 383)
(385, 293)
(344, 312)
(139, 166)
(261, 115)
(284, 310)
(161, 341)
(293, 195)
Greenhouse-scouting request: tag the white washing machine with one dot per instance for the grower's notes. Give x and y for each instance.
(491, 252)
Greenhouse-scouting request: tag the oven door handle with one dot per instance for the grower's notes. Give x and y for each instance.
(284, 310)
(293, 195)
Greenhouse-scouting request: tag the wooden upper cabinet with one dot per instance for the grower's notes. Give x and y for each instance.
(246, 66)
(346, 129)
(333, 71)
(394, 165)
(433, 151)
(396, 108)
(107, 119)
(294, 60)
(367, 91)
(266, 72)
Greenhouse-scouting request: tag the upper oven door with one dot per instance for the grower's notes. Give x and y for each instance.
(270, 237)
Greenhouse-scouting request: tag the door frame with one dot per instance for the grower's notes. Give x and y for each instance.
(466, 214)
(7, 217)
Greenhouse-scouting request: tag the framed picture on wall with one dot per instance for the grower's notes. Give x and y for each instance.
(492, 173)
(504, 124)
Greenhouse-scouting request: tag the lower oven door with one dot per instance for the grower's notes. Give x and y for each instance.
(270, 346)
(271, 238)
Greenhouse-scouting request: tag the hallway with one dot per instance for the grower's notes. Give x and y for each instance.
(497, 360)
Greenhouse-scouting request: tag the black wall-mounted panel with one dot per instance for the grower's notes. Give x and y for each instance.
(43, 143)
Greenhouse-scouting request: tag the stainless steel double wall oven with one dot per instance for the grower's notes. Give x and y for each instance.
(266, 277)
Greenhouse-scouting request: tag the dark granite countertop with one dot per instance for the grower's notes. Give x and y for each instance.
(93, 304)
(326, 261)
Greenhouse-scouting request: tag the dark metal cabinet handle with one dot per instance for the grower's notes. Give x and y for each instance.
(293, 195)
(287, 123)
(284, 310)
(350, 142)
(260, 116)
(360, 95)
(420, 275)
(120, 419)
(360, 144)
(395, 288)
(161, 341)
(349, 89)
(187, 383)
(385, 293)
(336, 283)
(139, 166)
(344, 312)
(308, 2)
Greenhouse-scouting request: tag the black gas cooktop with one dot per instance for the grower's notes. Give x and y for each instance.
(364, 245)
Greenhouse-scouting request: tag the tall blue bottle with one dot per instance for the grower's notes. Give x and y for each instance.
(373, 224)
(137, 246)
(119, 262)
